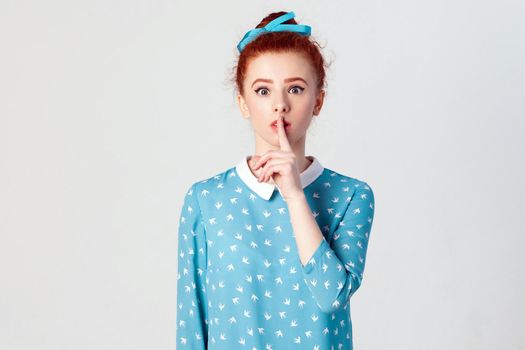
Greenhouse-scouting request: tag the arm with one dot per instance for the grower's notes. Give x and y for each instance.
(334, 271)
(192, 327)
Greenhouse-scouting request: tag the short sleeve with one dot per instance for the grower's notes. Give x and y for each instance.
(334, 271)
(192, 324)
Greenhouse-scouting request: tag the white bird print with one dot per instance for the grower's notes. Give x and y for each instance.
(282, 314)
(336, 304)
(239, 288)
(282, 210)
(359, 244)
(245, 211)
(233, 200)
(295, 286)
(268, 294)
(266, 213)
(252, 196)
(267, 316)
(235, 300)
(330, 210)
(232, 319)
(221, 306)
(317, 347)
(313, 282)
(260, 227)
(220, 233)
(253, 244)
(183, 340)
(315, 195)
(221, 284)
(287, 248)
(335, 200)
(278, 280)
(328, 254)
(229, 217)
(250, 331)
(346, 189)
(233, 247)
(268, 242)
(266, 263)
(286, 301)
(325, 268)
(238, 236)
(293, 270)
(221, 254)
(326, 331)
(245, 260)
(204, 192)
(260, 277)
(282, 261)
(242, 341)
(327, 184)
(336, 236)
(297, 340)
(254, 297)
(278, 229)
(339, 285)
(356, 211)
(248, 278)
(315, 214)
(308, 334)
(249, 227)
(337, 215)
(279, 333)
(218, 205)
(220, 185)
(350, 233)
(346, 246)
(260, 330)
(212, 221)
(222, 336)
(301, 303)
(326, 284)
(247, 313)
(293, 323)
(230, 267)
(314, 317)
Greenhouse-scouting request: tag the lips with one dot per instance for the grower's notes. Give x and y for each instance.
(275, 123)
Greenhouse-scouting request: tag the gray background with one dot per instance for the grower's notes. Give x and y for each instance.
(110, 109)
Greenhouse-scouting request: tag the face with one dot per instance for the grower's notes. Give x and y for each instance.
(280, 84)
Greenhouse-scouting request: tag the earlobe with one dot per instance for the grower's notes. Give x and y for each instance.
(242, 106)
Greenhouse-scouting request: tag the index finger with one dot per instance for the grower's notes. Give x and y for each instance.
(283, 139)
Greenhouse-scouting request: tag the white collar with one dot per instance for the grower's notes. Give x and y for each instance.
(265, 190)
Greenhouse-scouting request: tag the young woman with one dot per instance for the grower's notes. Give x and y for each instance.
(271, 250)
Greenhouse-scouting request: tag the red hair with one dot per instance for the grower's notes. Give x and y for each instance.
(276, 42)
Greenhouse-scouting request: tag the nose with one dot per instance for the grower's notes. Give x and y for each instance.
(280, 108)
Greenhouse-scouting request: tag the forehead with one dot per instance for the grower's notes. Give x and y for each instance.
(278, 66)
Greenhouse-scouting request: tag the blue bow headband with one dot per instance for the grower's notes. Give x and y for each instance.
(275, 26)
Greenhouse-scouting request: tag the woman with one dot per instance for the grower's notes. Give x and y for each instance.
(272, 249)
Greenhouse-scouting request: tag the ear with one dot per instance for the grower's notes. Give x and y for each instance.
(243, 107)
(319, 102)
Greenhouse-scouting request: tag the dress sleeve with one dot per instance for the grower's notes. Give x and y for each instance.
(192, 324)
(334, 271)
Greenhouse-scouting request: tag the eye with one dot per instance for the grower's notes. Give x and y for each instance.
(261, 88)
(299, 87)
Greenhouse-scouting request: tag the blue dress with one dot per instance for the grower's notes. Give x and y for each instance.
(240, 281)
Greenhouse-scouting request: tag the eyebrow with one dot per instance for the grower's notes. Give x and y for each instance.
(287, 80)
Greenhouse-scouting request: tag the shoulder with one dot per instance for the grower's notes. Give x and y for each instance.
(346, 182)
(204, 188)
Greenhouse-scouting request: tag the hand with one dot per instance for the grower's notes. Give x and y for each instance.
(280, 166)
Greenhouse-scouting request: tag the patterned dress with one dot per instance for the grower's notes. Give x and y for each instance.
(240, 282)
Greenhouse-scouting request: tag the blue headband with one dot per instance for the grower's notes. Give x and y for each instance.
(275, 26)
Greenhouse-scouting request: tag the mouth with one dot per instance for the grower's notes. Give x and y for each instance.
(287, 125)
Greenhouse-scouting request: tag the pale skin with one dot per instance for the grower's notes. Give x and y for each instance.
(280, 154)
